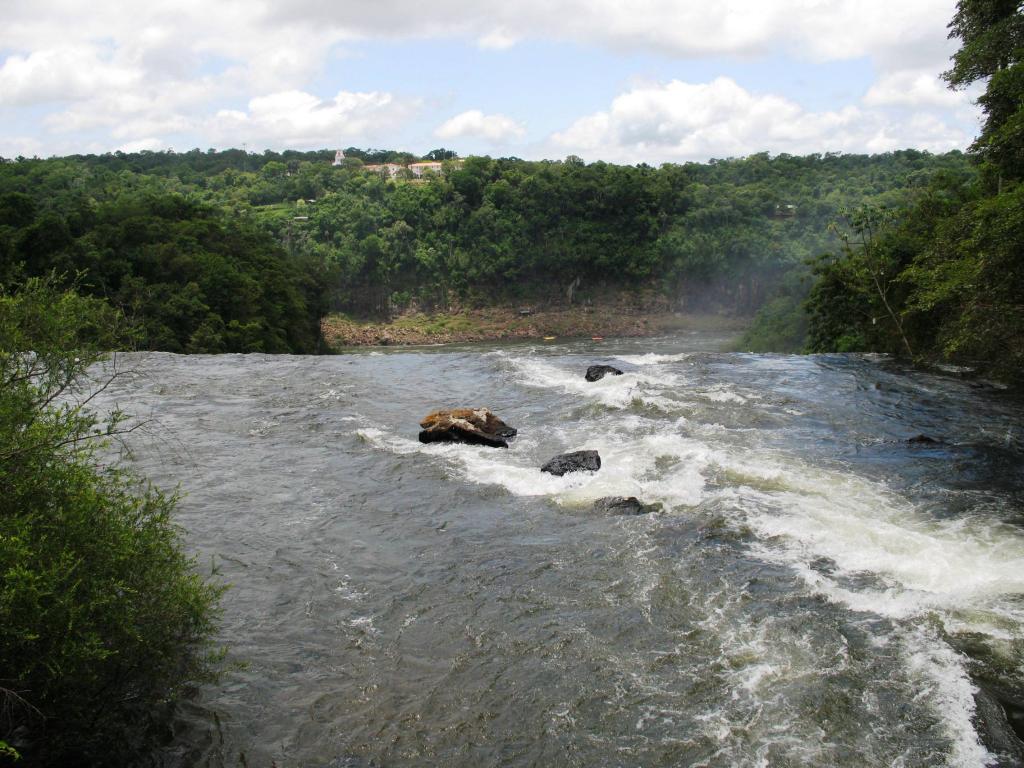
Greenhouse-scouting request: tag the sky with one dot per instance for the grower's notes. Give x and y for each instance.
(644, 81)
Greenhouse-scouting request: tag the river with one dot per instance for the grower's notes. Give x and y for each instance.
(815, 591)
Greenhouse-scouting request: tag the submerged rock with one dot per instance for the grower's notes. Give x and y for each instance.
(623, 505)
(577, 461)
(476, 426)
(922, 440)
(596, 372)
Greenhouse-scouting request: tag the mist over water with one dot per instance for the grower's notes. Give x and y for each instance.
(815, 591)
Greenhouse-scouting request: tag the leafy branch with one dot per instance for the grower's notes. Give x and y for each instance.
(860, 238)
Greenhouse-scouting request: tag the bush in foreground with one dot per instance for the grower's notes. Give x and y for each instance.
(103, 619)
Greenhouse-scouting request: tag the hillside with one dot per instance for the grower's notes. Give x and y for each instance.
(229, 251)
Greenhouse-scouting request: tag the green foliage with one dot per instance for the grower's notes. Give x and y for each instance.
(181, 269)
(860, 299)
(948, 275)
(991, 34)
(716, 236)
(441, 154)
(969, 283)
(875, 264)
(103, 619)
(211, 252)
(781, 324)
(9, 752)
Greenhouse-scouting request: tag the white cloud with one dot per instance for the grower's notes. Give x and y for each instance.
(475, 124)
(119, 74)
(497, 40)
(170, 39)
(154, 109)
(679, 121)
(299, 119)
(152, 144)
(916, 88)
(65, 74)
(293, 36)
(20, 146)
(815, 29)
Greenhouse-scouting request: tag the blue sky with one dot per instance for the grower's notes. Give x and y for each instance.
(649, 81)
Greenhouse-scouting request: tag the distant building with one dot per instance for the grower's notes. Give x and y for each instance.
(418, 170)
(339, 157)
(391, 169)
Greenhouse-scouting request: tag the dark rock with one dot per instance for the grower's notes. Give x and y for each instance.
(922, 440)
(623, 505)
(476, 426)
(577, 461)
(596, 372)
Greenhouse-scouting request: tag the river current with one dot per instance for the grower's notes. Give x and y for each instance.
(815, 590)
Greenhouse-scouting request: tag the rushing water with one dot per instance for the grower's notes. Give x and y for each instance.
(814, 592)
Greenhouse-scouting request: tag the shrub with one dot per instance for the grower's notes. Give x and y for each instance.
(103, 619)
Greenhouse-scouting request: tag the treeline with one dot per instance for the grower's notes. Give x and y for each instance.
(943, 278)
(232, 251)
(191, 277)
(708, 236)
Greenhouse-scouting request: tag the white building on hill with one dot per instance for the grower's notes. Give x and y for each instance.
(418, 170)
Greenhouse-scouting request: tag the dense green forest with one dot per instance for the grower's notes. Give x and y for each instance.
(943, 277)
(230, 251)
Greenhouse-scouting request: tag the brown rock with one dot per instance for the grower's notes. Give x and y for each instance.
(476, 426)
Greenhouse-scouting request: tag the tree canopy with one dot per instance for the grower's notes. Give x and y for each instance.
(237, 252)
(953, 255)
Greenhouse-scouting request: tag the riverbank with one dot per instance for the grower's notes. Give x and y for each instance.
(505, 323)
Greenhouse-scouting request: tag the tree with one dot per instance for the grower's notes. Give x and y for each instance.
(863, 246)
(103, 619)
(991, 34)
(437, 155)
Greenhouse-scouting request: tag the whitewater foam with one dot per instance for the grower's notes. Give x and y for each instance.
(611, 391)
(942, 674)
(851, 540)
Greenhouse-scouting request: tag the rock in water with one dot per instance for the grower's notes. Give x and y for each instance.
(596, 372)
(577, 461)
(922, 440)
(476, 426)
(623, 505)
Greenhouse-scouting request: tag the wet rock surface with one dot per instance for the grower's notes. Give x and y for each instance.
(475, 426)
(597, 372)
(576, 461)
(623, 505)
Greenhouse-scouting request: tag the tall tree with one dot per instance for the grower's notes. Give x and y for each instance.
(991, 33)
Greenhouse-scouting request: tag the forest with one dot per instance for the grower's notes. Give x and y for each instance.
(942, 277)
(235, 252)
